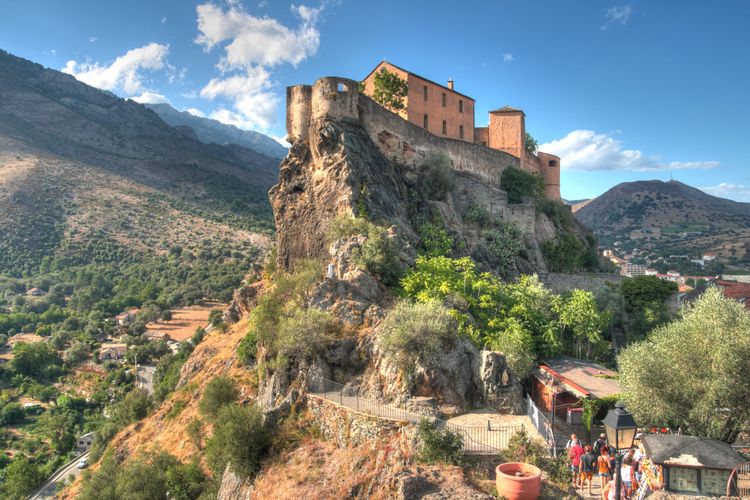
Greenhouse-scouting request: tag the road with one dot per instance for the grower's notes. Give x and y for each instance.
(49, 488)
(145, 378)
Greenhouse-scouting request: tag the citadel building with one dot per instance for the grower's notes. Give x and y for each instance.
(445, 112)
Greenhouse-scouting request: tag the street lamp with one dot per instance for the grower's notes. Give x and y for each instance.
(621, 429)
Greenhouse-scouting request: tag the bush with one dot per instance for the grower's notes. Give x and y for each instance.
(220, 392)
(416, 331)
(518, 184)
(567, 253)
(305, 332)
(438, 176)
(439, 446)
(377, 253)
(435, 239)
(239, 438)
(504, 243)
(524, 448)
(477, 214)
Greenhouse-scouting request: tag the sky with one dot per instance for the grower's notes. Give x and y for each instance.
(620, 90)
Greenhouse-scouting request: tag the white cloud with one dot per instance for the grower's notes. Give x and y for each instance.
(151, 98)
(125, 72)
(738, 192)
(93, 39)
(196, 112)
(617, 15)
(585, 150)
(507, 57)
(257, 40)
(251, 47)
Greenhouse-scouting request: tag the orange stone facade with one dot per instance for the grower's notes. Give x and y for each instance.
(450, 114)
(437, 108)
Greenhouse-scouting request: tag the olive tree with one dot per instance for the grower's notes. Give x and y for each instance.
(693, 373)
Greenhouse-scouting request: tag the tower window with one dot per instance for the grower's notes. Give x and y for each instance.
(445, 127)
(552, 163)
(460, 106)
(461, 132)
(426, 122)
(445, 99)
(424, 88)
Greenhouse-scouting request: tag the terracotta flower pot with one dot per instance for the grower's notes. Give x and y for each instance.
(518, 481)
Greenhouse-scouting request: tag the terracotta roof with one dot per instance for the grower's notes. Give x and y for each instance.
(737, 291)
(418, 76)
(507, 109)
(673, 449)
(585, 377)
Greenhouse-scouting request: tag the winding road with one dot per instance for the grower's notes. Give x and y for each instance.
(49, 488)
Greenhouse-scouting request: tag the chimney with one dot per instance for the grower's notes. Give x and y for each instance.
(450, 84)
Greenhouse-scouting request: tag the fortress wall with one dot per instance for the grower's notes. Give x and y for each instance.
(523, 216)
(481, 136)
(551, 175)
(409, 144)
(298, 112)
(335, 98)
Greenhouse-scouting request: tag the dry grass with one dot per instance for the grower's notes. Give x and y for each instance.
(186, 320)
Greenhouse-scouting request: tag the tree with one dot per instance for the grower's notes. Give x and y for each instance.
(239, 438)
(21, 478)
(645, 298)
(580, 316)
(518, 184)
(219, 392)
(390, 90)
(691, 373)
(59, 426)
(530, 144)
(37, 360)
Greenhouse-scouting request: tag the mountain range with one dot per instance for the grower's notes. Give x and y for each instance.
(669, 218)
(215, 132)
(80, 166)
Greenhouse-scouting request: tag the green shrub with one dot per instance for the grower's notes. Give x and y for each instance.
(524, 448)
(239, 438)
(477, 214)
(305, 332)
(247, 349)
(438, 446)
(378, 255)
(567, 253)
(438, 176)
(416, 331)
(518, 183)
(560, 215)
(219, 392)
(345, 226)
(435, 239)
(505, 244)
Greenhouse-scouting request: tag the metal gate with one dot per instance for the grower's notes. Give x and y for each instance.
(739, 482)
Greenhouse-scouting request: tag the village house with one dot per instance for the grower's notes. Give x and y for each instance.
(126, 317)
(113, 352)
(560, 383)
(84, 442)
(153, 335)
(691, 465)
(445, 112)
(34, 292)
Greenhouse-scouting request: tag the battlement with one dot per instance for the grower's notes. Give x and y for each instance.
(339, 99)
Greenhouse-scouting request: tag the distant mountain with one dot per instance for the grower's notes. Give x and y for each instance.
(213, 131)
(669, 217)
(86, 175)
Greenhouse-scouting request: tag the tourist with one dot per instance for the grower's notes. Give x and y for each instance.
(587, 466)
(600, 443)
(575, 453)
(627, 473)
(573, 440)
(603, 467)
(608, 491)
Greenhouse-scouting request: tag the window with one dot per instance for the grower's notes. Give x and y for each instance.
(445, 99)
(425, 93)
(683, 479)
(552, 163)
(461, 132)
(445, 127)
(460, 106)
(426, 123)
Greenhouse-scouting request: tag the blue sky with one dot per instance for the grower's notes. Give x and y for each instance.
(621, 90)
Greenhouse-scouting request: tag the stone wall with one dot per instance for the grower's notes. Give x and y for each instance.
(349, 427)
(559, 283)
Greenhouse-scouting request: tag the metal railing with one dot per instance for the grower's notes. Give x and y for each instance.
(739, 481)
(486, 439)
(541, 424)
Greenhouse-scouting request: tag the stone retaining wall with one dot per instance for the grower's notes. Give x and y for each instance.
(349, 427)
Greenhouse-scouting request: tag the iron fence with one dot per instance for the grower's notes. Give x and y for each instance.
(541, 424)
(486, 439)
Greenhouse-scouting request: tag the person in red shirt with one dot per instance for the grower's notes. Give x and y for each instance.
(574, 453)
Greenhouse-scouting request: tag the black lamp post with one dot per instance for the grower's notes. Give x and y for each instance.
(621, 429)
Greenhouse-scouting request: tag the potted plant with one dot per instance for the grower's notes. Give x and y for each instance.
(519, 478)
